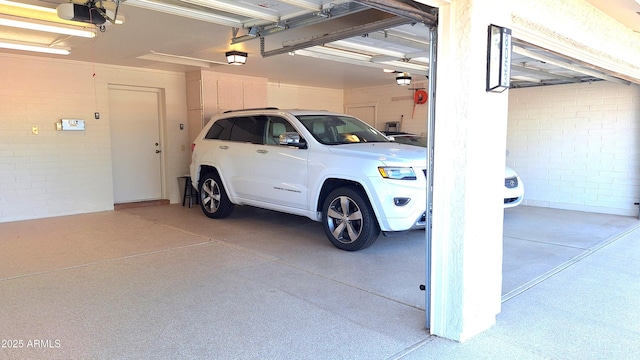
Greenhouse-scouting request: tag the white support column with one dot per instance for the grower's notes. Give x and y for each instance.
(469, 160)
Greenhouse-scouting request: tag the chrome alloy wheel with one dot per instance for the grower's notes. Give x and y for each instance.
(210, 195)
(344, 219)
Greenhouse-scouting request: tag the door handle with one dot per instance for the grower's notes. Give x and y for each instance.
(223, 147)
(157, 151)
(262, 151)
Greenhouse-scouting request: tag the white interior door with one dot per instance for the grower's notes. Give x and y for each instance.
(135, 144)
(364, 112)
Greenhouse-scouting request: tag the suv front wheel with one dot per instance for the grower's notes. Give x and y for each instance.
(348, 220)
(213, 198)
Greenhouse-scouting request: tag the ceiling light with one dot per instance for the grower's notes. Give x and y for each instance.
(235, 57)
(30, 47)
(27, 6)
(42, 26)
(403, 79)
(239, 9)
(339, 53)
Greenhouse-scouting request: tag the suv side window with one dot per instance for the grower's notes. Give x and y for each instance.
(248, 129)
(241, 129)
(276, 126)
(220, 130)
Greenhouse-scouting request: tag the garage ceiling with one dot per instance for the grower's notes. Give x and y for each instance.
(324, 43)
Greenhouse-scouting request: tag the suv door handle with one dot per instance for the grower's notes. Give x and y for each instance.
(261, 151)
(224, 147)
(157, 151)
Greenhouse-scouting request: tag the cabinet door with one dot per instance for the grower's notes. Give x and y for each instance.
(255, 95)
(230, 95)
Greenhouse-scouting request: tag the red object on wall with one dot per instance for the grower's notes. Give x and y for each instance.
(420, 97)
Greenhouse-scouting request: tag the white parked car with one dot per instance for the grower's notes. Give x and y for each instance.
(513, 186)
(329, 167)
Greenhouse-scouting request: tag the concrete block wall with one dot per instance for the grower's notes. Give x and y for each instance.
(58, 173)
(393, 103)
(577, 146)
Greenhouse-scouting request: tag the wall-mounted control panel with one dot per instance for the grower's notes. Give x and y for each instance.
(70, 124)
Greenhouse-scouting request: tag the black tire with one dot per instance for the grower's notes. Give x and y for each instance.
(348, 220)
(214, 201)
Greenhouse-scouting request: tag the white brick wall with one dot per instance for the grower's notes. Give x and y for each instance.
(67, 172)
(577, 146)
(393, 104)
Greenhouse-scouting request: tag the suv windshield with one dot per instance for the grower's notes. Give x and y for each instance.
(335, 130)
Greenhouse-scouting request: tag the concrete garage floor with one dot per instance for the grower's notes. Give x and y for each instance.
(165, 282)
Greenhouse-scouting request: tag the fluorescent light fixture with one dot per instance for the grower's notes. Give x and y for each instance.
(404, 79)
(235, 57)
(233, 8)
(179, 59)
(36, 48)
(42, 26)
(338, 53)
(324, 53)
(27, 6)
(33, 12)
(351, 45)
(185, 12)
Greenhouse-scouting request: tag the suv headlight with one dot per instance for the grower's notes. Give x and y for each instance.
(397, 173)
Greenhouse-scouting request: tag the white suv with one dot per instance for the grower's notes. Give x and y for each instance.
(326, 166)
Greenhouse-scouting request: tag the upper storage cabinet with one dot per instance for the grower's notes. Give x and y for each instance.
(210, 93)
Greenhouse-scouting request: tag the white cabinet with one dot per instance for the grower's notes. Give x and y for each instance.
(210, 93)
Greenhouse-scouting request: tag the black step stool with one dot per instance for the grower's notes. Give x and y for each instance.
(189, 191)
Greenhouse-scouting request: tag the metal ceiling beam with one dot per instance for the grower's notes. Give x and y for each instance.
(339, 35)
(565, 65)
(301, 21)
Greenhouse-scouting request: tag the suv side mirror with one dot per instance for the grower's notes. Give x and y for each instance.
(292, 139)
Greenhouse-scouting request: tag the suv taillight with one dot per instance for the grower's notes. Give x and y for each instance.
(193, 146)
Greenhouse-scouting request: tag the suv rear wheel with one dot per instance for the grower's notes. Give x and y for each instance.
(348, 220)
(213, 198)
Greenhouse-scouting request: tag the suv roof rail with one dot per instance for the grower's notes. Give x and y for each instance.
(264, 108)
